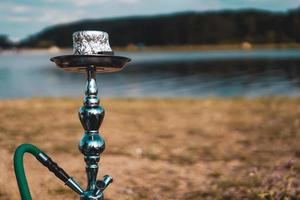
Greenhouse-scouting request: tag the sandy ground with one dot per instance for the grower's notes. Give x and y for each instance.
(161, 148)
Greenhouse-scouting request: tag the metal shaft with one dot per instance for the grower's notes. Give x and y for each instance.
(91, 116)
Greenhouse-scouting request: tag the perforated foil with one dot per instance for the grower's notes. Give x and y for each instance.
(90, 43)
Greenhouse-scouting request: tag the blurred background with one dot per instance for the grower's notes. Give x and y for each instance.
(190, 48)
(208, 108)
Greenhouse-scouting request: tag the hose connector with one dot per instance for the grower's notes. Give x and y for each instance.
(47, 162)
(102, 184)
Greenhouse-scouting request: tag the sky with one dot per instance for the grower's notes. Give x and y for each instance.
(20, 18)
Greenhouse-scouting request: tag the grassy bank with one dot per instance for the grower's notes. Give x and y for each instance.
(162, 148)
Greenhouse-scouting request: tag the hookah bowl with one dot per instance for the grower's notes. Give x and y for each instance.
(92, 54)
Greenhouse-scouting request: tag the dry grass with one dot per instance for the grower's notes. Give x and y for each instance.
(162, 148)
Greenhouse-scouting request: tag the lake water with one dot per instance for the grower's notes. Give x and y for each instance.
(160, 74)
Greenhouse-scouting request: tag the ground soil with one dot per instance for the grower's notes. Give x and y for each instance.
(161, 148)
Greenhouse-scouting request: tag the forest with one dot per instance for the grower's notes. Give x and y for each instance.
(188, 28)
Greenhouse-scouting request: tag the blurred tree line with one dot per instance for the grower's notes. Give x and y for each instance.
(219, 27)
(5, 42)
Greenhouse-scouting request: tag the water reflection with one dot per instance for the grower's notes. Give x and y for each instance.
(230, 73)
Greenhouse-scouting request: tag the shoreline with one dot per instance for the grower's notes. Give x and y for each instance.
(178, 98)
(170, 48)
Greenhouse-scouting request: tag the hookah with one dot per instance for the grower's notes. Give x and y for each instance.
(92, 54)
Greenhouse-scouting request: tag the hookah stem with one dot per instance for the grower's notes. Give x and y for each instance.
(92, 144)
(92, 110)
(47, 162)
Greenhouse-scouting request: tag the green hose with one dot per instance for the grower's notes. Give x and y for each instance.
(19, 168)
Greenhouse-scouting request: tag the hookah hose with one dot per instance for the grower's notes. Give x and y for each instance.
(44, 159)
